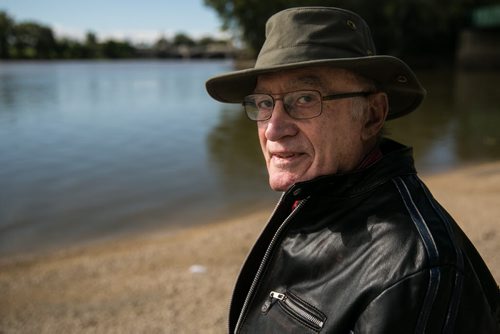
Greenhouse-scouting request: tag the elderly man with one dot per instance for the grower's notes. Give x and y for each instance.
(357, 244)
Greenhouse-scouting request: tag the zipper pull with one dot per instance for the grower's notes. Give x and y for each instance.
(273, 297)
(277, 295)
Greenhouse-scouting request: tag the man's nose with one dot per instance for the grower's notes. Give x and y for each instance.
(280, 124)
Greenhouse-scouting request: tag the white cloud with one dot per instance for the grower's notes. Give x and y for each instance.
(70, 32)
(135, 36)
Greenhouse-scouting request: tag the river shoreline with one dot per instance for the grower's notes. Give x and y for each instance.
(155, 283)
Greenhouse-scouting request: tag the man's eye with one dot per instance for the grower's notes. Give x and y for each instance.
(265, 104)
(306, 99)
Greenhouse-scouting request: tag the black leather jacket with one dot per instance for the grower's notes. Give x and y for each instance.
(366, 252)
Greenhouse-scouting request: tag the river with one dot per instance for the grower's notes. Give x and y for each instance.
(100, 149)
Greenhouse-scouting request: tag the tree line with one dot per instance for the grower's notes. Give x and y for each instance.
(33, 40)
(420, 30)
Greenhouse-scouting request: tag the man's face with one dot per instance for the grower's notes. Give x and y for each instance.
(300, 150)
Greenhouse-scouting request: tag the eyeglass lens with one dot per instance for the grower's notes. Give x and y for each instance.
(300, 105)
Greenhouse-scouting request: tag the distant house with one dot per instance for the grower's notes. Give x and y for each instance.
(479, 46)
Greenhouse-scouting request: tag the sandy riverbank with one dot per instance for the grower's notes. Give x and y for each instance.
(180, 282)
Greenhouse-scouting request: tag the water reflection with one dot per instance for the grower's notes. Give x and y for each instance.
(235, 153)
(28, 90)
(477, 105)
(456, 123)
(94, 149)
(91, 149)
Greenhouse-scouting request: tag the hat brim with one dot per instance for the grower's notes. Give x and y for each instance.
(393, 76)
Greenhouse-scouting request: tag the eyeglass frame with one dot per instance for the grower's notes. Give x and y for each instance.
(330, 97)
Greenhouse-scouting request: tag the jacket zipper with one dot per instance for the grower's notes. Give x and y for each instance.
(266, 256)
(299, 310)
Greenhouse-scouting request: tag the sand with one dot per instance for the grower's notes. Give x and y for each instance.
(180, 281)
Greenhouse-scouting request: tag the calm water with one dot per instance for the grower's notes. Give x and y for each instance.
(90, 150)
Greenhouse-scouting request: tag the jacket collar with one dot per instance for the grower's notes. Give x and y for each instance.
(397, 160)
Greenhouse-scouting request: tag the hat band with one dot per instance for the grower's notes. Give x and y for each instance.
(303, 53)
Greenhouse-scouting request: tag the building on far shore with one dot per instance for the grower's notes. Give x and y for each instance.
(165, 49)
(479, 46)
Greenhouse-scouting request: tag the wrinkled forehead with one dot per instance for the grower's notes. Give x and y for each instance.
(318, 78)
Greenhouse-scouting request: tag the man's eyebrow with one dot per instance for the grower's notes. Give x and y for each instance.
(310, 80)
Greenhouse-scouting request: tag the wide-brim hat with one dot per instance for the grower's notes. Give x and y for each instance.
(323, 36)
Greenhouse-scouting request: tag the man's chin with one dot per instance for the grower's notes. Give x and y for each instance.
(281, 182)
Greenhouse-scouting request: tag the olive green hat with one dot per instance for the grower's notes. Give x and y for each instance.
(312, 36)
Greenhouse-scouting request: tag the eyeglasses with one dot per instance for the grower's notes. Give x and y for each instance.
(302, 104)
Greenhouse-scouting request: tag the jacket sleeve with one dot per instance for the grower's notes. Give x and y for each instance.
(406, 307)
(430, 302)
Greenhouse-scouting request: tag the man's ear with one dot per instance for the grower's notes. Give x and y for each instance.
(376, 114)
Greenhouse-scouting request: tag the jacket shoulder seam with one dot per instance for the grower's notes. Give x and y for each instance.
(459, 263)
(430, 248)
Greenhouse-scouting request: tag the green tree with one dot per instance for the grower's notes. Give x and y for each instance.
(32, 40)
(183, 39)
(406, 28)
(162, 48)
(92, 48)
(204, 41)
(247, 18)
(117, 49)
(6, 26)
(70, 49)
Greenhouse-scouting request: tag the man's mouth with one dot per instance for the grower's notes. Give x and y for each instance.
(284, 155)
(285, 158)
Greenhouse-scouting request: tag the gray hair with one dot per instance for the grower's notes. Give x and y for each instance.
(359, 104)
